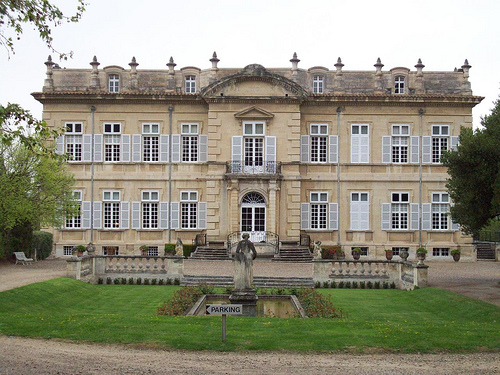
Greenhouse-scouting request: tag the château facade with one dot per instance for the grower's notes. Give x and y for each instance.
(349, 158)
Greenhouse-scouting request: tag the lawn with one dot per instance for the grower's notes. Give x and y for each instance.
(423, 320)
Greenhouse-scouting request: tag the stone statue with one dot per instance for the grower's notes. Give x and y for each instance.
(179, 248)
(245, 254)
(317, 250)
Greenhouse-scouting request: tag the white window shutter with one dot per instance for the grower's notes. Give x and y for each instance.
(203, 150)
(454, 226)
(426, 150)
(164, 144)
(270, 148)
(426, 216)
(334, 148)
(454, 143)
(236, 154)
(60, 145)
(364, 149)
(414, 216)
(136, 148)
(163, 215)
(304, 216)
(386, 216)
(124, 215)
(136, 215)
(386, 149)
(304, 149)
(202, 215)
(125, 148)
(97, 215)
(176, 148)
(86, 214)
(87, 148)
(355, 146)
(414, 150)
(334, 216)
(355, 215)
(98, 148)
(174, 218)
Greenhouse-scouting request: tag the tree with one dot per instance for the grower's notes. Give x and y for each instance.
(474, 174)
(35, 191)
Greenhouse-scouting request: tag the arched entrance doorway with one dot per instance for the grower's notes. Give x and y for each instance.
(253, 216)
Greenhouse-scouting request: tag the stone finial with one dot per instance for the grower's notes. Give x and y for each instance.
(171, 65)
(49, 82)
(339, 66)
(466, 68)
(133, 73)
(133, 64)
(419, 67)
(214, 60)
(378, 66)
(94, 75)
(295, 63)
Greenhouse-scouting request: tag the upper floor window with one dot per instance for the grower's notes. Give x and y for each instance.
(440, 141)
(150, 201)
(150, 142)
(360, 143)
(74, 140)
(319, 210)
(400, 209)
(360, 211)
(189, 209)
(400, 141)
(319, 133)
(76, 221)
(440, 209)
(399, 85)
(112, 140)
(189, 134)
(111, 206)
(318, 84)
(114, 83)
(190, 84)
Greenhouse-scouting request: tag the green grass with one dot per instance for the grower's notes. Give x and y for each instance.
(424, 320)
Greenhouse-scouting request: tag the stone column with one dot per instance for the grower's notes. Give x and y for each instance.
(272, 214)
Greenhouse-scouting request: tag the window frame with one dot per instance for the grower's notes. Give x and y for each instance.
(359, 200)
(75, 221)
(150, 140)
(318, 133)
(318, 84)
(359, 135)
(400, 152)
(111, 203)
(399, 85)
(189, 209)
(437, 142)
(190, 84)
(440, 211)
(399, 216)
(112, 141)
(318, 215)
(114, 82)
(190, 142)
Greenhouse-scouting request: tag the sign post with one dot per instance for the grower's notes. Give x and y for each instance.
(224, 310)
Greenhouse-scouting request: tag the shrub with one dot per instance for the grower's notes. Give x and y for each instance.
(393, 285)
(169, 249)
(169, 281)
(153, 281)
(362, 285)
(369, 284)
(354, 285)
(146, 281)
(177, 281)
(385, 285)
(377, 285)
(229, 290)
(293, 291)
(130, 280)
(124, 280)
(138, 281)
(278, 291)
(116, 281)
(326, 284)
(205, 288)
(160, 282)
(188, 249)
(317, 284)
(341, 285)
(317, 305)
(334, 284)
(182, 300)
(332, 252)
(43, 242)
(108, 280)
(348, 285)
(100, 280)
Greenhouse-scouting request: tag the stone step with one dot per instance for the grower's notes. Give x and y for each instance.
(485, 251)
(258, 281)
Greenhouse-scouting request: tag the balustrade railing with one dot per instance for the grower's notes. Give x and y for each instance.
(251, 168)
(136, 264)
(359, 269)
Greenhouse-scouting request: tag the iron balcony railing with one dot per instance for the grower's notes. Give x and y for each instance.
(488, 236)
(252, 168)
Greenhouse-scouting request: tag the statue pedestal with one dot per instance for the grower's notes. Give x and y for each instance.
(246, 297)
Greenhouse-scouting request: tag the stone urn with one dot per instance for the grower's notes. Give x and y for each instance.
(456, 255)
(389, 254)
(403, 254)
(356, 253)
(421, 254)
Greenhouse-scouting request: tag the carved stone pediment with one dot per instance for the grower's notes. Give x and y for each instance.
(254, 81)
(254, 113)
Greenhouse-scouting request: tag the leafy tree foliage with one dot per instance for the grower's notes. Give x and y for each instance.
(474, 174)
(35, 191)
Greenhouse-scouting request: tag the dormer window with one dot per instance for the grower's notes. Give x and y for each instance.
(399, 85)
(318, 84)
(190, 84)
(114, 83)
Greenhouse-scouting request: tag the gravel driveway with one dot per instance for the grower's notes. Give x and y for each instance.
(29, 356)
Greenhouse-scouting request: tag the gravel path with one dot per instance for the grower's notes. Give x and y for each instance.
(28, 356)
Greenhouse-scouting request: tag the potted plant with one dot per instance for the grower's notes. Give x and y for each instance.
(144, 250)
(169, 249)
(80, 249)
(389, 254)
(421, 253)
(456, 255)
(356, 253)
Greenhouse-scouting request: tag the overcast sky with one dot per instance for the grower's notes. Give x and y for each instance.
(443, 33)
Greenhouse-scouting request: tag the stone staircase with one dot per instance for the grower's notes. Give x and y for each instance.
(258, 281)
(485, 251)
(291, 251)
(215, 250)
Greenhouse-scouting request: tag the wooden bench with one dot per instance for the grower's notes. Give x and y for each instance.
(21, 258)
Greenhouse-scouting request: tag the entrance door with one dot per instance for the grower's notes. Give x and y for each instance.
(254, 155)
(253, 216)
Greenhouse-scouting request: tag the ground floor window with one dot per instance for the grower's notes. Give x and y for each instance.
(440, 252)
(68, 250)
(110, 250)
(152, 251)
(364, 250)
(397, 250)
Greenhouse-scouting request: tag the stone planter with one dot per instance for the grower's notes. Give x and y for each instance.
(456, 257)
(356, 255)
(421, 258)
(403, 254)
(389, 254)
